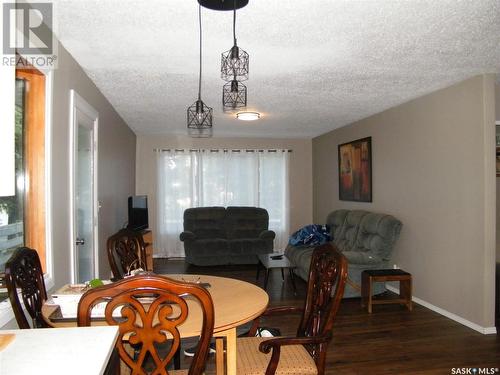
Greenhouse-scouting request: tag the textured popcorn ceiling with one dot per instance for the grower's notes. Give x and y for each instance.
(314, 65)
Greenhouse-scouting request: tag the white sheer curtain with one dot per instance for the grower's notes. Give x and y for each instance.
(219, 178)
(175, 192)
(274, 193)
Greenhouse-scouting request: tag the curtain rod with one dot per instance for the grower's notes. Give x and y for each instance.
(219, 150)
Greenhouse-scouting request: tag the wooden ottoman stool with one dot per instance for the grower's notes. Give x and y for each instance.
(369, 277)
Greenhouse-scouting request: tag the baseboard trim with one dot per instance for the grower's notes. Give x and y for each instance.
(450, 315)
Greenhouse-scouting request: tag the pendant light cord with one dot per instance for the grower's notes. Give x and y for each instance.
(199, 80)
(234, 21)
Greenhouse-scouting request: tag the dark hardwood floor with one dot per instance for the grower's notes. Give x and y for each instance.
(391, 340)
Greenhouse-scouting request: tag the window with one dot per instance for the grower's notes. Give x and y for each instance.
(200, 178)
(23, 216)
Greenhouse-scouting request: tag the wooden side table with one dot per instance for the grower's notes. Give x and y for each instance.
(369, 277)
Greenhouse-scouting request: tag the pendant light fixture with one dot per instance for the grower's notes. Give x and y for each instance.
(199, 115)
(234, 95)
(234, 67)
(234, 63)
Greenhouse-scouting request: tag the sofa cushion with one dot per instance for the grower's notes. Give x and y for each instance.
(249, 246)
(335, 221)
(210, 247)
(301, 258)
(361, 258)
(205, 222)
(246, 222)
(377, 234)
(222, 259)
(346, 237)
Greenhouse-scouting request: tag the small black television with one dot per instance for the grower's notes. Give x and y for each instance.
(138, 212)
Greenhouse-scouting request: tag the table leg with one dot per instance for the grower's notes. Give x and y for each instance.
(230, 336)
(219, 355)
(364, 289)
(405, 292)
(177, 358)
(292, 279)
(282, 274)
(370, 297)
(267, 278)
(231, 351)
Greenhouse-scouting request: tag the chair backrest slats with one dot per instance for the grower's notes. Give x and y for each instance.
(24, 275)
(325, 289)
(126, 252)
(149, 309)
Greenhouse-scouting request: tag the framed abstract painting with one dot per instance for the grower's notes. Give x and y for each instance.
(355, 170)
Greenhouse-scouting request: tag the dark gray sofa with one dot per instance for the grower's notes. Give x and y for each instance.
(365, 238)
(232, 235)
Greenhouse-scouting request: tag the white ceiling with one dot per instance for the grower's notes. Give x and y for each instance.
(315, 65)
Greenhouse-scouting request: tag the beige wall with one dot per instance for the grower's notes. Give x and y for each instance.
(300, 168)
(433, 168)
(497, 101)
(497, 111)
(116, 164)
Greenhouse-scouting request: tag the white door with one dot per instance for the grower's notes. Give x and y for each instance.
(84, 203)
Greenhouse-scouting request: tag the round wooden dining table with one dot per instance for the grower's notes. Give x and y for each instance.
(236, 302)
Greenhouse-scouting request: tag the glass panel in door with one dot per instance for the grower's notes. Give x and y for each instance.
(84, 202)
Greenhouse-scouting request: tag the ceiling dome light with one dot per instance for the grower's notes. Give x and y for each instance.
(248, 116)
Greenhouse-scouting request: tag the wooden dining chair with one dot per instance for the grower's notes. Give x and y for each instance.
(151, 307)
(24, 276)
(305, 353)
(126, 252)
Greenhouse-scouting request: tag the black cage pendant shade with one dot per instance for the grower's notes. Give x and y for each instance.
(199, 120)
(234, 62)
(234, 95)
(199, 115)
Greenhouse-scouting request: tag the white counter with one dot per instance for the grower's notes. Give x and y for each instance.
(81, 350)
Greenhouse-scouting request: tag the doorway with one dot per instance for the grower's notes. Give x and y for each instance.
(84, 202)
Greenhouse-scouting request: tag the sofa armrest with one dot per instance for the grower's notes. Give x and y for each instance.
(187, 236)
(267, 235)
(362, 257)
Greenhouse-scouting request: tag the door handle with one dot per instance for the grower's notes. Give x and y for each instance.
(80, 241)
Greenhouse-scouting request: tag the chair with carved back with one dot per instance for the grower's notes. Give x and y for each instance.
(24, 274)
(148, 310)
(126, 252)
(305, 353)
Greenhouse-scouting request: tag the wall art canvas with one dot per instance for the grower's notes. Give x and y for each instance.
(355, 170)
